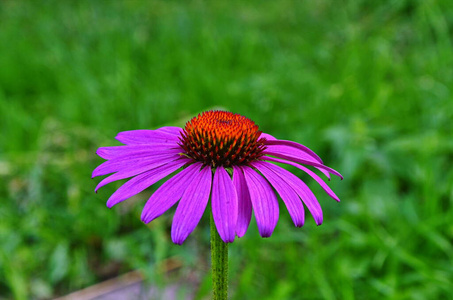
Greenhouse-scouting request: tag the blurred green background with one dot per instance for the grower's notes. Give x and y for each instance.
(367, 85)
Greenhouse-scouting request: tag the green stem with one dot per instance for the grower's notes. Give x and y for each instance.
(219, 262)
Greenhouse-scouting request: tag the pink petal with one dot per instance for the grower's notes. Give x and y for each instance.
(173, 130)
(292, 144)
(143, 181)
(138, 168)
(309, 172)
(288, 195)
(267, 136)
(224, 205)
(272, 140)
(121, 163)
(143, 136)
(121, 151)
(286, 150)
(191, 206)
(244, 203)
(302, 161)
(169, 193)
(301, 189)
(264, 201)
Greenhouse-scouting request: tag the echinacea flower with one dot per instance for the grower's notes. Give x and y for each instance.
(221, 156)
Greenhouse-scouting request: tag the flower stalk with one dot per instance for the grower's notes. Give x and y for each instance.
(219, 264)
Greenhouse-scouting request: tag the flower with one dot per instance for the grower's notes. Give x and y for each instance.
(223, 157)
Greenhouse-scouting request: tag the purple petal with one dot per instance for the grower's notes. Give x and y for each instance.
(173, 130)
(144, 180)
(244, 204)
(267, 136)
(286, 150)
(326, 173)
(121, 151)
(301, 189)
(224, 205)
(143, 136)
(191, 206)
(294, 145)
(264, 201)
(169, 193)
(309, 172)
(302, 161)
(121, 163)
(288, 195)
(138, 168)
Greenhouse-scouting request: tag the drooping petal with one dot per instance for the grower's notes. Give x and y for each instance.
(191, 206)
(301, 189)
(288, 195)
(292, 144)
(143, 136)
(264, 201)
(169, 193)
(224, 205)
(309, 172)
(136, 169)
(143, 181)
(119, 164)
(302, 161)
(244, 203)
(279, 150)
(121, 151)
(272, 140)
(286, 150)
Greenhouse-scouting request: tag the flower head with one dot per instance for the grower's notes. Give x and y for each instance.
(222, 156)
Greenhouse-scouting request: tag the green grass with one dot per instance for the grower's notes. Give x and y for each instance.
(367, 86)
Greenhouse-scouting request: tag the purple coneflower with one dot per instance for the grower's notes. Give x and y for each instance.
(222, 156)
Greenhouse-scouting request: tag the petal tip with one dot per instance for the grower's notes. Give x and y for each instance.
(299, 225)
(144, 218)
(228, 240)
(240, 234)
(266, 234)
(95, 173)
(177, 241)
(99, 152)
(118, 136)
